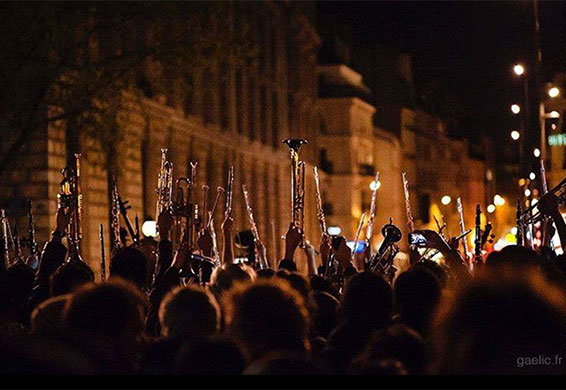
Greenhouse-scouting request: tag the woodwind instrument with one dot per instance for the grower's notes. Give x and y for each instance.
(5, 226)
(478, 239)
(164, 186)
(115, 239)
(518, 215)
(30, 241)
(17, 246)
(102, 254)
(297, 186)
(124, 207)
(546, 226)
(410, 219)
(229, 192)
(358, 232)
(319, 209)
(462, 226)
(204, 224)
(372, 210)
(219, 192)
(260, 248)
(71, 198)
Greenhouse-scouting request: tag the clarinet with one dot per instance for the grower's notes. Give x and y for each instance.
(478, 238)
(102, 254)
(518, 215)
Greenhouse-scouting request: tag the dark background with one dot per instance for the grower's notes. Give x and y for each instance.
(468, 48)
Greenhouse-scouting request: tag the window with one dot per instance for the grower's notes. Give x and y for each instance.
(424, 207)
(239, 101)
(263, 114)
(208, 97)
(325, 164)
(275, 119)
(251, 108)
(224, 97)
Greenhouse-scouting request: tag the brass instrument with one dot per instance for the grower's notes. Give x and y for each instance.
(358, 232)
(71, 198)
(164, 185)
(195, 220)
(319, 209)
(182, 211)
(382, 261)
(519, 220)
(229, 192)
(533, 214)
(410, 219)
(116, 241)
(297, 186)
(102, 254)
(262, 257)
(462, 226)
(5, 227)
(372, 210)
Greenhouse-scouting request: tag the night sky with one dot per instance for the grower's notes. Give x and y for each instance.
(469, 47)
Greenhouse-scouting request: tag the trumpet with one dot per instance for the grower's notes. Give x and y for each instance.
(297, 185)
(164, 185)
(262, 258)
(358, 232)
(534, 213)
(116, 241)
(382, 261)
(182, 211)
(71, 198)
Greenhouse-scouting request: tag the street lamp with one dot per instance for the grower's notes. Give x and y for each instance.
(519, 69)
(553, 92)
(536, 152)
(515, 135)
(515, 108)
(446, 200)
(532, 176)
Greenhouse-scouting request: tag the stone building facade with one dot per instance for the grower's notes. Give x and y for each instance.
(235, 115)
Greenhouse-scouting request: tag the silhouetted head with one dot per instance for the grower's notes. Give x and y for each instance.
(69, 276)
(382, 367)
(436, 269)
(212, 356)
(130, 264)
(105, 321)
(19, 280)
(287, 264)
(368, 301)
(397, 343)
(224, 277)
(266, 273)
(47, 317)
(319, 283)
(266, 316)
(497, 322)
(286, 363)
(416, 295)
(514, 256)
(189, 312)
(325, 315)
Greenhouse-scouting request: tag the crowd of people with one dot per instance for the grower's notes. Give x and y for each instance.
(177, 313)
